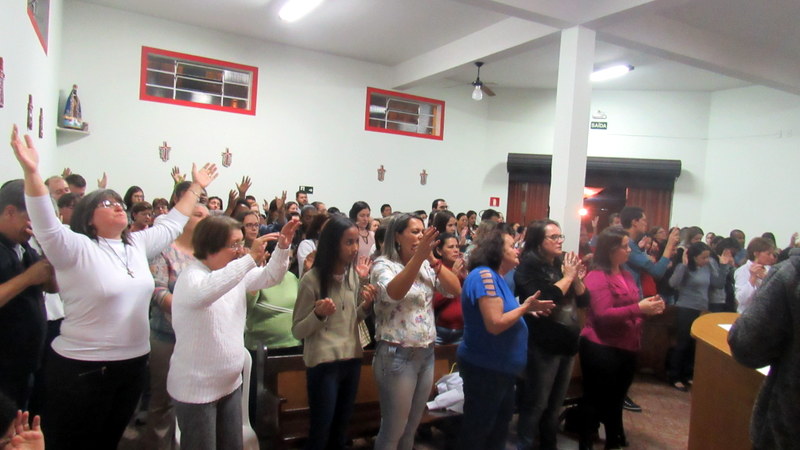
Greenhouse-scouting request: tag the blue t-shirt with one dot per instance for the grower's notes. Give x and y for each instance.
(505, 352)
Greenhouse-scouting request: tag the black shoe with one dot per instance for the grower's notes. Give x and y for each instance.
(630, 405)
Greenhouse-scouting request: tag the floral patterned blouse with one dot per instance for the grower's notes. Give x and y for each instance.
(409, 321)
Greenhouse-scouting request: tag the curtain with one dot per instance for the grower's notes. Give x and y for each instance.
(657, 204)
(527, 201)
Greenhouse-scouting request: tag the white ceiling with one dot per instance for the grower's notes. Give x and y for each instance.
(703, 45)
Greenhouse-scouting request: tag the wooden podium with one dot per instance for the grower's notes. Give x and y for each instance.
(723, 392)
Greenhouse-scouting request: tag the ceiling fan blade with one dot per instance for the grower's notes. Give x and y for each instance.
(488, 91)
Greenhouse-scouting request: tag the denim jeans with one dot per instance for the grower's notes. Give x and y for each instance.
(405, 377)
(89, 403)
(541, 396)
(446, 336)
(211, 426)
(332, 389)
(488, 407)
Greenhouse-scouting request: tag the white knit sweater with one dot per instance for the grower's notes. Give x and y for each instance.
(208, 314)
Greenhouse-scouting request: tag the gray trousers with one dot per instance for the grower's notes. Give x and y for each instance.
(405, 377)
(211, 426)
(160, 431)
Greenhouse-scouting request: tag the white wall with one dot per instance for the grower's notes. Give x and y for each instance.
(753, 160)
(28, 70)
(309, 127)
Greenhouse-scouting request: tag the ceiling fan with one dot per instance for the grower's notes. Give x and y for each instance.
(480, 88)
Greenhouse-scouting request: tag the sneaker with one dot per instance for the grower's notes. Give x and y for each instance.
(630, 405)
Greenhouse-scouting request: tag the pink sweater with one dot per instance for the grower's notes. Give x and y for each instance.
(614, 318)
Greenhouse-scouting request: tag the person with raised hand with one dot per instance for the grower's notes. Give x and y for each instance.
(209, 309)
(407, 275)
(96, 367)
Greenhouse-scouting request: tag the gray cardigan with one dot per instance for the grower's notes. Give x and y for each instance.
(769, 333)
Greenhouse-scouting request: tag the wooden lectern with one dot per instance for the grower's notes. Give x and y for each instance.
(724, 391)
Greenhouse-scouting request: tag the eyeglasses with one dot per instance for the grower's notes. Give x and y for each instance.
(109, 204)
(237, 245)
(556, 237)
(251, 225)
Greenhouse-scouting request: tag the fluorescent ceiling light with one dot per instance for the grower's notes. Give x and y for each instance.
(294, 10)
(611, 72)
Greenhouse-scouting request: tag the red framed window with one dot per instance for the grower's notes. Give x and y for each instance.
(400, 113)
(188, 80)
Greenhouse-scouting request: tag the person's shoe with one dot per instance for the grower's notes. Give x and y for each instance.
(630, 405)
(679, 385)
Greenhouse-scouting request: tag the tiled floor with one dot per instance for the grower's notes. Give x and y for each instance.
(662, 425)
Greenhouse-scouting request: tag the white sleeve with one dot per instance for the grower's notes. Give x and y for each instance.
(744, 290)
(61, 246)
(164, 231)
(204, 288)
(271, 274)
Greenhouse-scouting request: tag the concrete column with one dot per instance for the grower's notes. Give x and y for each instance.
(573, 102)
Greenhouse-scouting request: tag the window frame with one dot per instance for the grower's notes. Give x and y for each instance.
(253, 88)
(438, 117)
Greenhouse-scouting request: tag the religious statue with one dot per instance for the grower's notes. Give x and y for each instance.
(163, 152)
(41, 123)
(423, 177)
(381, 173)
(72, 111)
(30, 112)
(227, 158)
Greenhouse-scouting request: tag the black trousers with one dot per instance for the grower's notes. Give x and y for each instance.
(607, 375)
(89, 403)
(681, 361)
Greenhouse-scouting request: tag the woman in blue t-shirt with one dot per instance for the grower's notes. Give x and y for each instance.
(494, 348)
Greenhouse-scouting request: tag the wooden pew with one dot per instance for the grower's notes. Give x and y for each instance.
(283, 416)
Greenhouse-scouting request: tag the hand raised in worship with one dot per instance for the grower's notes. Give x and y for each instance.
(24, 150)
(28, 436)
(427, 243)
(102, 182)
(363, 266)
(244, 186)
(458, 266)
(570, 265)
(66, 172)
(177, 176)
(205, 175)
(541, 307)
(258, 250)
(324, 308)
(287, 233)
(369, 292)
(280, 202)
(651, 306)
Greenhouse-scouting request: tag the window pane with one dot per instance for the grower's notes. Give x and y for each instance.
(198, 97)
(159, 92)
(234, 90)
(160, 78)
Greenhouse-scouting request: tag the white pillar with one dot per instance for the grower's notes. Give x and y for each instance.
(573, 101)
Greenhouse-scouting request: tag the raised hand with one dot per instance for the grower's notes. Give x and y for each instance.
(205, 175)
(266, 207)
(25, 151)
(363, 266)
(66, 172)
(244, 186)
(177, 176)
(540, 307)
(369, 292)
(102, 182)
(582, 271)
(287, 233)
(458, 266)
(27, 436)
(651, 306)
(726, 257)
(324, 307)
(570, 266)
(427, 243)
(279, 202)
(258, 250)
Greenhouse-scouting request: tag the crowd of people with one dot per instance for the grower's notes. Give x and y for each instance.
(118, 304)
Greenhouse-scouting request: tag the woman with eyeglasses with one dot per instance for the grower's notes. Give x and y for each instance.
(208, 315)
(250, 226)
(553, 339)
(96, 367)
(610, 338)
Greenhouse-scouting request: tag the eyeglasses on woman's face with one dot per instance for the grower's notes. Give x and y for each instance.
(556, 237)
(110, 204)
(236, 246)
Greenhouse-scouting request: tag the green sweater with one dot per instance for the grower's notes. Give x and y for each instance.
(269, 315)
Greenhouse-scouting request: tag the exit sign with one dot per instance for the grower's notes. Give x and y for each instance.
(599, 125)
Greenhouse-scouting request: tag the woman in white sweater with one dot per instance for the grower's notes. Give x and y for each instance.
(97, 365)
(208, 315)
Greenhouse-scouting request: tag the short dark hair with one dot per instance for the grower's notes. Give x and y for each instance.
(211, 235)
(221, 203)
(299, 192)
(629, 214)
(609, 240)
(357, 208)
(75, 180)
(536, 234)
(158, 201)
(384, 206)
(328, 249)
(315, 226)
(758, 244)
(420, 212)
(251, 197)
(13, 193)
(489, 214)
(178, 192)
(489, 252)
(442, 239)
(435, 203)
(67, 200)
(84, 212)
(140, 206)
(734, 231)
(471, 213)
(770, 236)
(725, 244)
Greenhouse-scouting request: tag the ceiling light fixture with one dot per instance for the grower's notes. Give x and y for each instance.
(294, 10)
(477, 93)
(611, 72)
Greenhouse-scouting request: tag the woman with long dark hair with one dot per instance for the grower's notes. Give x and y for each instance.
(334, 298)
(447, 308)
(405, 331)
(96, 366)
(553, 339)
(360, 215)
(610, 338)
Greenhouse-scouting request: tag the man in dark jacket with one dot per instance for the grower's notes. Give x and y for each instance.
(769, 333)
